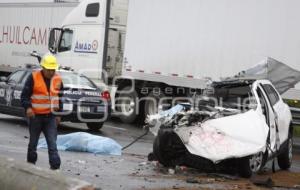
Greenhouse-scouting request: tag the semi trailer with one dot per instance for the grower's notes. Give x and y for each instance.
(162, 50)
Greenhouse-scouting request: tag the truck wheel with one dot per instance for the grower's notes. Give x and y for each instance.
(126, 105)
(154, 104)
(250, 164)
(285, 158)
(94, 126)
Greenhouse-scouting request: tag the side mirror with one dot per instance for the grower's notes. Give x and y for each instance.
(3, 79)
(35, 54)
(54, 38)
(52, 41)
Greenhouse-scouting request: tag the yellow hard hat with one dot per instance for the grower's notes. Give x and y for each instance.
(49, 62)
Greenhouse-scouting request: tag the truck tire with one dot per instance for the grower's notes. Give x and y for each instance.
(154, 104)
(285, 158)
(95, 126)
(250, 164)
(127, 107)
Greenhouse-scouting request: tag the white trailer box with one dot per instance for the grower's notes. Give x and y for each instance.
(24, 27)
(172, 46)
(172, 41)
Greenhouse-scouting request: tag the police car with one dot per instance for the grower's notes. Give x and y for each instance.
(81, 100)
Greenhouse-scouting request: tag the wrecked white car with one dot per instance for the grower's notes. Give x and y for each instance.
(244, 123)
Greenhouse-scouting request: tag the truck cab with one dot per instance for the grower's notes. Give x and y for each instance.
(91, 39)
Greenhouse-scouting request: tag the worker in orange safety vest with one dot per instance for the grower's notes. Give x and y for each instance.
(40, 99)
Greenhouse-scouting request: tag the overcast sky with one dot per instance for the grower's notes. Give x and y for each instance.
(22, 1)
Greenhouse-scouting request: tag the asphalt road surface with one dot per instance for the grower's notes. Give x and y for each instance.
(131, 170)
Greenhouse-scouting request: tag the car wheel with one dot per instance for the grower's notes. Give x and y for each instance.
(249, 165)
(126, 105)
(285, 158)
(168, 148)
(94, 126)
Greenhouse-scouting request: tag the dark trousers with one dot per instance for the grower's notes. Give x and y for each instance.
(47, 125)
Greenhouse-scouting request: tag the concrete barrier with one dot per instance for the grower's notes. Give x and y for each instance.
(16, 176)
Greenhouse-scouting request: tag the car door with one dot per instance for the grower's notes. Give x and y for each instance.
(281, 111)
(16, 100)
(13, 89)
(3, 86)
(270, 119)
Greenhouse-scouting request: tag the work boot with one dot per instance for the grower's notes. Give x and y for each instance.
(55, 169)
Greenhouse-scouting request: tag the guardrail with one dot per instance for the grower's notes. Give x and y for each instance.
(296, 115)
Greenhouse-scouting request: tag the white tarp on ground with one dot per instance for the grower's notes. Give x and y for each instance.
(227, 137)
(85, 142)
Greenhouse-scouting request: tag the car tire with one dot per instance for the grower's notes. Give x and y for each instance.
(250, 164)
(95, 126)
(157, 152)
(127, 109)
(285, 158)
(168, 148)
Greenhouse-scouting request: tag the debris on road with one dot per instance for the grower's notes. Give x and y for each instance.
(180, 169)
(151, 157)
(201, 181)
(85, 142)
(81, 162)
(264, 182)
(223, 176)
(192, 180)
(171, 171)
(284, 179)
(142, 163)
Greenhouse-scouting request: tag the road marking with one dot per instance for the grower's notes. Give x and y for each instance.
(118, 128)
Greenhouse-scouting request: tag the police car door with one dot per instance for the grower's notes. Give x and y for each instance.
(13, 93)
(2, 94)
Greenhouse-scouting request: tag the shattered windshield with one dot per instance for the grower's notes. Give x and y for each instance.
(235, 97)
(73, 80)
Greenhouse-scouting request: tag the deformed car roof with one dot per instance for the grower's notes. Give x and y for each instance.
(233, 83)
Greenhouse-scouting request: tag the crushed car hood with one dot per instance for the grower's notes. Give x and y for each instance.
(281, 75)
(215, 137)
(220, 139)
